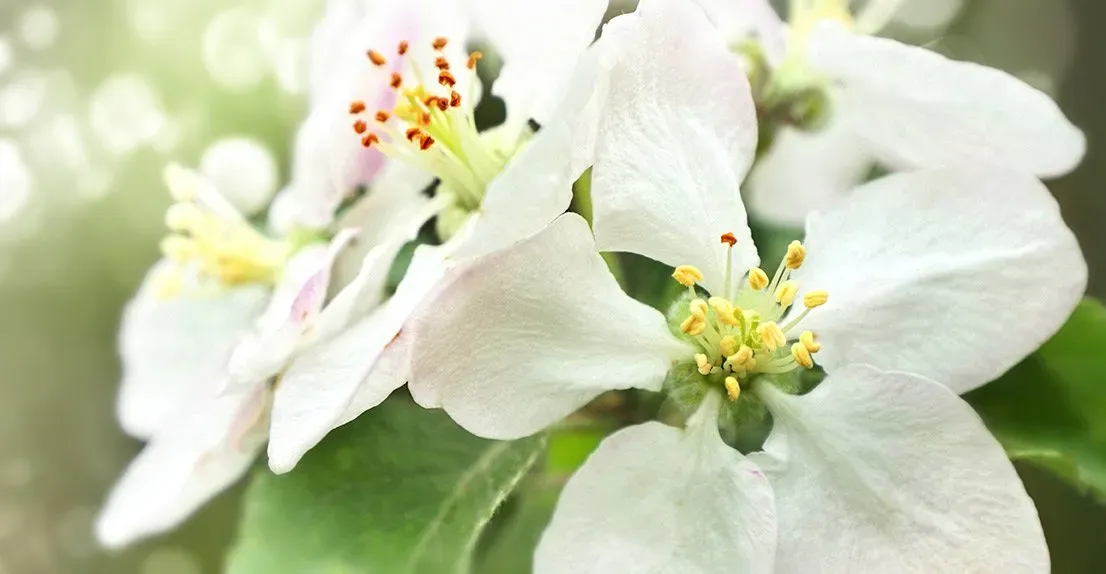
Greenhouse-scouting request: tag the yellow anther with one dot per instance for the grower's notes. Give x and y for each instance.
(733, 389)
(771, 336)
(729, 345)
(786, 292)
(698, 308)
(724, 309)
(807, 339)
(693, 326)
(703, 364)
(758, 279)
(687, 275)
(796, 254)
(741, 357)
(802, 355)
(815, 298)
(183, 217)
(183, 184)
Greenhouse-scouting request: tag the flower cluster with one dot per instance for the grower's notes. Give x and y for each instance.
(905, 291)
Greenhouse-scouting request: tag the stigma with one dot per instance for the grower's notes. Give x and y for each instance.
(752, 328)
(431, 125)
(210, 240)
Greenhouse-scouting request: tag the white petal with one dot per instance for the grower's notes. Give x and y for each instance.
(920, 109)
(332, 383)
(890, 472)
(653, 498)
(536, 186)
(295, 304)
(675, 142)
(954, 274)
(744, 20)
(171, 347)
(539, 45)
(806, 172)
(193, 459)
(523, 337)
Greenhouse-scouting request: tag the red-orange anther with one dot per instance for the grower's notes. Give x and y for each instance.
(360, 126)
(426, 142)
(369, 140)
(473, 59)
(454, 99)
(382, 116)
(441, 63)
(377, 58)
(413, 133)
(356, 107)
(446, 78)
(442, 103)
(402, 49)
(440, 42)
(729, 239)
(397, 80)
(424, 119)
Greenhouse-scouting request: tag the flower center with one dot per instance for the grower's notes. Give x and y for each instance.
(431, 126)
(739, 332)
(210, 238)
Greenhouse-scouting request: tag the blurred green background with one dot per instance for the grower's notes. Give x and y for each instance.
(97, 95)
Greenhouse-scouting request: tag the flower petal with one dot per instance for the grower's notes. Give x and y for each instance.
(890, 472)
(202, 452)
(806, 172)
(744, 20)
(675, 142)
(170, 347)
(521, 338)
(653, 498)
(539, 45)
(920, 109)
(536, 186)
(955, 275)
(335, 381)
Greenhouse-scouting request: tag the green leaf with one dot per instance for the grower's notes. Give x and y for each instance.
(1050, 410)
(400, 490)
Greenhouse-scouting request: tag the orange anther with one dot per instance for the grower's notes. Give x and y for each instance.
(382, 116)
(426, 142)
(440, 42)
(445, 78)
(377, 58)
(369, 140)
(413, 133)
(402, 49)
(729, 239)
(356, 107)
(360, 126)
(473, 59)
(441, 63)
(454, 99)
(397, 80)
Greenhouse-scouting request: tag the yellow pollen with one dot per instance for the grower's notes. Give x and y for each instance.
(728, 345)
(687, 275)
(733, 389)
(807, 339)
(702, 363)
(758, 279)
(725, 311)
(786, 292)
(771, 336)
(741, 357)
(802, 356)
(693, 326)
(815, 298)
(698, 308)
(796, 254)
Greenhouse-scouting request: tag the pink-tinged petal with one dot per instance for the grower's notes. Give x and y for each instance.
(674, 143)
(517, 340)
(890, 472)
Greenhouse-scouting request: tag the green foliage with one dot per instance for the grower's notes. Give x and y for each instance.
(1050, 410)
(400, 490)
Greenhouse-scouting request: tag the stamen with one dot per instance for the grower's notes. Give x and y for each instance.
(733, 389)
(728, 346)
(454, 99)
(698, 308)
(397, 81)
(426, 142)
(445, 78)
(702, 363)
(758, 279)
(802, 356)
(815, 298)
(796, 254)
(473, 59)
(807, 339)
(356, 107)
(687, 275)
(402, 49)
(786, 292)
(729, 239)
(771, 336)
(382, 116)
(693, 326)
(360, 127)
(377, 58)
(742, 357)
(725, 311)
(441, 63)
(412, 134)
(440, 42)
(369, 140)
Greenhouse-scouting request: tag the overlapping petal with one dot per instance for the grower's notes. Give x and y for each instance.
(677, 138)
(749, 20)
(890, 472)
(653, 498)
(525, 336)
(952, 274)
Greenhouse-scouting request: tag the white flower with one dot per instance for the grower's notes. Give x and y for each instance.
(948, 275)
(197, 309)
(905, 107)
(495, 188)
